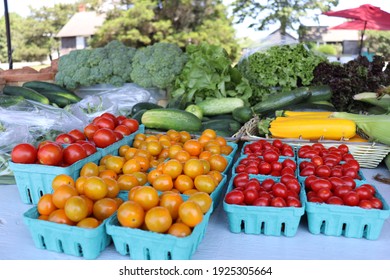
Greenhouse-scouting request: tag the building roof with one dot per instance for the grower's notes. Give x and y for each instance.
(324, 34)
(82, 24)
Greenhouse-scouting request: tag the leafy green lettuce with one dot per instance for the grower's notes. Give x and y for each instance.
(209, 73)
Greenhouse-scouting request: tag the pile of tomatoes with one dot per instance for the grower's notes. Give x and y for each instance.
(327, 162)
(166, 212)
(75, 145)
(267, 192)
(85, 203)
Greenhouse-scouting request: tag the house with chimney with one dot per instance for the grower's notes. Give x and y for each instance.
(80, 27)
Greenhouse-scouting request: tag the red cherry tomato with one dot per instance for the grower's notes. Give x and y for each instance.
(24, 153)
(293, 202)
(336, 200)
(65, 138)
(264, 168)
(280, 190)
(323, 171)
(262, 201)
(240, 179)
(364, 192)
(320, 183)
(376, 203)
(270, 156)
(366, 204)
(351, 198)
(324, 193)
(235, 197)
(77, 134)
(104, 137)
(50, 154)
(74, 152)
(267, 184)
(278, 202)
(250, 195)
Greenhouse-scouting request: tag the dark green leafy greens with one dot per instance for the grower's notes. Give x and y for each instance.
(278, 68)
(209, 73)
(356, 76)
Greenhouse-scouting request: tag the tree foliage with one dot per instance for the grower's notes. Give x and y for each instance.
(288, 13)
(378, 42)
(145, 22)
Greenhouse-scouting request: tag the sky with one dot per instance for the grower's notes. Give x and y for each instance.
(22, 8)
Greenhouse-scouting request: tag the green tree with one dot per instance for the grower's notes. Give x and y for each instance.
(378, 42)
(288, 13)
(145, 22)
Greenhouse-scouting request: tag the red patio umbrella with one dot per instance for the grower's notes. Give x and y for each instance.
(366, 17)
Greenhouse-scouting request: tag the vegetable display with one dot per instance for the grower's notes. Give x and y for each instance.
(279, 68)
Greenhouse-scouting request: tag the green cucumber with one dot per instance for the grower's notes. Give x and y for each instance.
(281, 100)
(169, 118)
(40, 85)
(25, 92)
(226, 125)
(9, 100)
(242, 114)
(320, 93)
(60, 98)
(218, 106)
(144, 106)
(310, 106)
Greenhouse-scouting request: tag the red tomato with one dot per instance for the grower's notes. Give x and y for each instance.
(118, 135)
(250, 195)
(320, 183)
(293, 202)
(324, 193)
(89, 148)
(343, 148)
(376, 203)
(277, 143)
(323, 171)
(125, 130)
(336, 172)
(336, 182)
(287, 152)
(253, 183)
(315, 199)
(366, 204)
(102, 122)
(347, 157)
(309, 180)
(286, 178)
(240, 179)
(110, 116)
(264, 168)
(120, 118)
(276, 166)
(90, 130)
(287, 170)
(270, 156)
(307, 171)
(262, 201)
(50, 154)
(370, 187)
(340, 191)
(252, 169)
(348, 181)
(289, 163)
(24, 153)
(65, 138)
(364, 192)
(353, 163)
(104, 137)
(278, 202)
(267, 184)
(336, 200)
(74, 152)
(77, 134)
(240, 168)
(280, 190)
(131, 123)
(317, 160)
(351, 198)
(235, 197)
(294, 185)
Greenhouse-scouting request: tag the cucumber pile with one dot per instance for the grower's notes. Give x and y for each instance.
(39, 91)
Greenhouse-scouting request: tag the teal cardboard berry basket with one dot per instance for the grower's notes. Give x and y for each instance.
(70, 240)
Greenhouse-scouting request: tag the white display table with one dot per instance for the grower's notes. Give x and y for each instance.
(218, 244)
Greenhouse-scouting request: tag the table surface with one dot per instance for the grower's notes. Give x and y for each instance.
(218, 243)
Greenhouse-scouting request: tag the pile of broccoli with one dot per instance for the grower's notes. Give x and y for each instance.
(156, 65)
(110, 64)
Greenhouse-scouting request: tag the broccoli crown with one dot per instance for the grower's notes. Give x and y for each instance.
(157, 65)
(110, 64)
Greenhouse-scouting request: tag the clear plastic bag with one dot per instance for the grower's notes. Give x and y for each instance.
(122, 98)
(42, 121)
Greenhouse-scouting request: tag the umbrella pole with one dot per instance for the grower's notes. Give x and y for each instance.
(361, 39)
(8, 32)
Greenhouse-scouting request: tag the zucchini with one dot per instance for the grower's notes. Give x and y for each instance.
(40, 85)
(320, 93)
(169, 118)
(144, 106)
(138, 115)
(242, 114)
(221, 117)
(226, 125)
(309, 106)
(25, 92)
(6, 101)
(218, 106)
(281, 100)
(60, 98)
